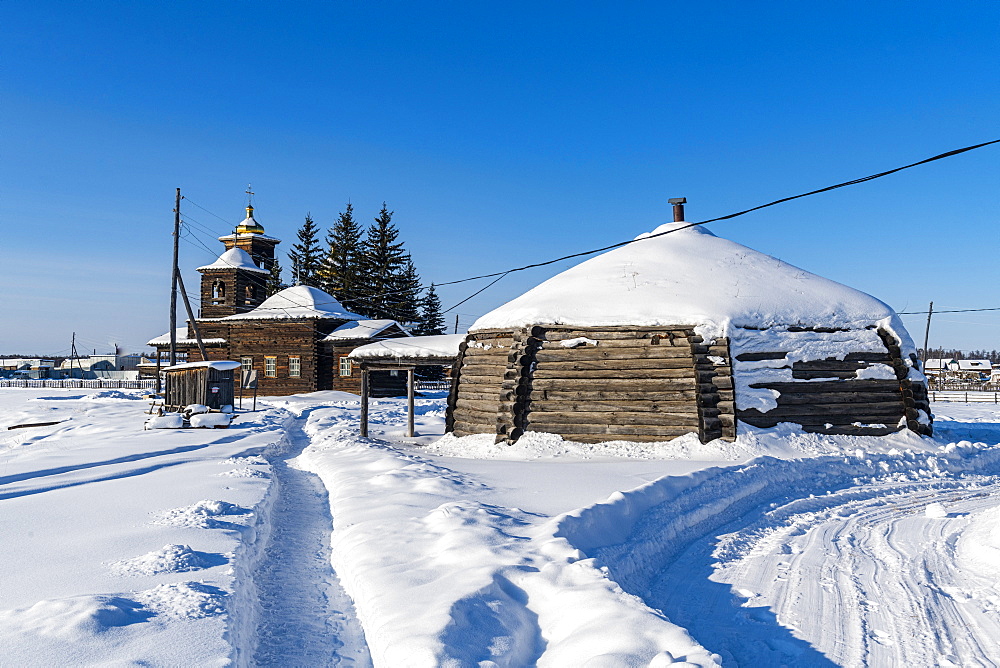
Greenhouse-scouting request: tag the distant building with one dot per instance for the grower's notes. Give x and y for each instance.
(26, 367)
(297, 340)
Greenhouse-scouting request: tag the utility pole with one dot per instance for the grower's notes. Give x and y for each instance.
(173, 281)
(456, 323)
(927, 335)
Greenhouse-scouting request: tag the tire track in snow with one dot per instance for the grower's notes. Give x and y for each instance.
(306, 618)
(860, 574)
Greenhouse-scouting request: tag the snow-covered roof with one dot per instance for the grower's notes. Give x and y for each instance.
(244, 235)
(219, 365)
(937, 363)
(182, 339)
(975, 365)
(235, 258)
(362, 329)
(443, 347)
(690, 277)
(299, 301)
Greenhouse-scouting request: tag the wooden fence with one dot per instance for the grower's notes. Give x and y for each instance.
(971, 396)
(77, 383)
(433, 385)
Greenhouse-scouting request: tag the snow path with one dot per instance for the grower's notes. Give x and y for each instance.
(306, 618)
(858, 576)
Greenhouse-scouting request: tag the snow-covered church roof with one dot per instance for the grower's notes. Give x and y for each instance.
(235, 258)
(362, 329)
(300, 301)
(688, 277)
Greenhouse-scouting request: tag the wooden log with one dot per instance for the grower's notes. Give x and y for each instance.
(621, 418)
(880, 408)
(760, 357)
(633, 438)
(620, 364)
(685, 396)
(623, 430)
(831, 365)
(827, 398)
(615, 384)
(544, 372)
(810, 374)
(484, 373)
(617, 343)
(580, 354)
(851, 430)
(485, 360)
(477, 404)
(480, 396)
(554, 333)
(474, 427)
(625, 348)
(819, 419)
(676, 407)
(867, 385)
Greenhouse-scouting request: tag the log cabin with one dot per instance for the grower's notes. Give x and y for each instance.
(685, 332)
(297, 339)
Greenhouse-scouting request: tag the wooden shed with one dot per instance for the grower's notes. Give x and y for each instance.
(208, 383)
(684, 332)
(402, 355)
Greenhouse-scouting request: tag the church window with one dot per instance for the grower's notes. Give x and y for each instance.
(246, 362)
(294, 367)
(271, 367)
(218, 292)
(345, 365)
(248, 294)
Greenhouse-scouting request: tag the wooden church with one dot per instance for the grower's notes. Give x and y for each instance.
(298, 340)
(684, 332)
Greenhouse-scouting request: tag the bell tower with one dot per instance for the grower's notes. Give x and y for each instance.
(249, 236)
(237, 281)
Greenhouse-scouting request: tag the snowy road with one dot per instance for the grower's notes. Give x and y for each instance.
(858, 576)
(306, 618)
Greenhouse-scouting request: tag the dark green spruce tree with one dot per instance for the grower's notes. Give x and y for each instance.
(406, 297)
(340, 267)
(306, 255)
(431, 321)
(382, 263)
(274, 282)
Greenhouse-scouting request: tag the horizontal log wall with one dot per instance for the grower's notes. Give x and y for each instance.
(477, 378)
(844, 404)
(636, 384)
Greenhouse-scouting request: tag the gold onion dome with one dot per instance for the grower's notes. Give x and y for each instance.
(249, 226)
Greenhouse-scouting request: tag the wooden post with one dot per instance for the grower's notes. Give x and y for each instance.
(409, 402)
(191, 319)
(927, 334)
(173, 281)
(364, 401)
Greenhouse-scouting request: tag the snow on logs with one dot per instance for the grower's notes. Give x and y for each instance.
(686, 332)
(655, 383)
(637, 384)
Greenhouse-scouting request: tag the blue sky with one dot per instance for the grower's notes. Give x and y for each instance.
(501, 134)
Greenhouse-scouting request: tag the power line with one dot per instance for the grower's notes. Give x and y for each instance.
(852, 182)
(959, 310)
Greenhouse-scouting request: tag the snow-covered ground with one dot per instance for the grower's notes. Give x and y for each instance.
(288, 540)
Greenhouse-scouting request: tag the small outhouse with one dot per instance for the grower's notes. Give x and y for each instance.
(208, 383)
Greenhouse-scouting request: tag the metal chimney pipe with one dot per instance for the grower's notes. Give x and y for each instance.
(678, 203)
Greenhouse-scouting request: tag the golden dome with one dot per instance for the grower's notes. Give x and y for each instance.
(249, 226)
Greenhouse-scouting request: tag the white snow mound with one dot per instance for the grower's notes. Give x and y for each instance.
(687, 277)
(168, 559)
(184, 600)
